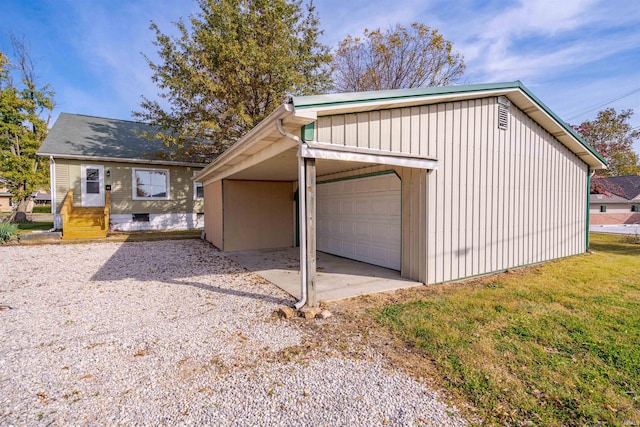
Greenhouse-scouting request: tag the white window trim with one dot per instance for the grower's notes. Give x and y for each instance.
(134, 193)
(197, 184)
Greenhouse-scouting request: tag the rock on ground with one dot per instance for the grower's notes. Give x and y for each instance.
(173, 332)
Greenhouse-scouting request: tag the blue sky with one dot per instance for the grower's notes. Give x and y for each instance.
(575, 55)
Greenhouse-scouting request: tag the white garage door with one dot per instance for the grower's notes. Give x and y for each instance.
(360, 219)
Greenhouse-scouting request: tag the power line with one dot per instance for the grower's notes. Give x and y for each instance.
(605, 103)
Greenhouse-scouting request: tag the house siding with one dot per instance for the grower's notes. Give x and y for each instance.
(499, 198)
(180, 188)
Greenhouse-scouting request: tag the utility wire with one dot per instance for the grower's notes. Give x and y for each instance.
(605, 103)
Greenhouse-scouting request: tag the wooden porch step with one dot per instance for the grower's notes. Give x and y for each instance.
(86, 221)
(86, 232)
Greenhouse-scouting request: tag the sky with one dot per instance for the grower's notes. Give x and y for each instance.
(577, 56)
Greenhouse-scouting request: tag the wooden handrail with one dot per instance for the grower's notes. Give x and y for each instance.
(107, 209)
(67, 208)
(67, 205)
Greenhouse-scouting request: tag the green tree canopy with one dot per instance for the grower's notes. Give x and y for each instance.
(397, 58)
(228, 68)
(612, 136)
(22, 129)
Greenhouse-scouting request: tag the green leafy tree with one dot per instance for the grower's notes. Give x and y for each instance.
(612, 136)
(398, 58)
(228, 68)
(22, 129)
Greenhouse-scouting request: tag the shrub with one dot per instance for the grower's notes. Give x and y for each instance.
(42, 209)
(8, 231)
(631, 238)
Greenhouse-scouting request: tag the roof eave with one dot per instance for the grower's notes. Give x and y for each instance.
(267, 126)
(121, 160)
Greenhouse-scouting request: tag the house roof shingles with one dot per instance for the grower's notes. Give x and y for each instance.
(76, 136)
(627, 186)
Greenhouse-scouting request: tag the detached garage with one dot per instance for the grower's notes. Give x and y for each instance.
(440, 184)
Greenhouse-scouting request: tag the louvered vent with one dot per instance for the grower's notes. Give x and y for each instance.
(503, 112)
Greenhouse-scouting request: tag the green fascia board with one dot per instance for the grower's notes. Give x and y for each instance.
(562, 123)
(314, 101)
(337, 99)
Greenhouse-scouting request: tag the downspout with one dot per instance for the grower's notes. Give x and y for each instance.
(52, 189)
(302, 203)
(590, 174)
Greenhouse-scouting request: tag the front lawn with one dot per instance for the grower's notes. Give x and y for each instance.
(555, 344)
(29, 226)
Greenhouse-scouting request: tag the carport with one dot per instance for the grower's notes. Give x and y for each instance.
(350, 206)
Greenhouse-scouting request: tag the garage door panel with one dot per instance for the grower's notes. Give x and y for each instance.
(363, 217)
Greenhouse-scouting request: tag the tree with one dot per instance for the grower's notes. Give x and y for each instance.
(230, 67)
(22, 128)
(398, 58)
(611, 135)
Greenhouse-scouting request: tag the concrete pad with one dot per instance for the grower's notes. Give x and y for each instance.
(40, 237)
(337, 278)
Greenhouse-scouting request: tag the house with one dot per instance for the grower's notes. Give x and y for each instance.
(41, 198)
(621, 205)
(109, 167)
(440, 183)
(5, 197)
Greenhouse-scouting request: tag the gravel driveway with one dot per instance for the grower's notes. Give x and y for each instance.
(173, 332)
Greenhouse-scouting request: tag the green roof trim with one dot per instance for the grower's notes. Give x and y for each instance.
(562, 123)
(338, 99)
(314, 101)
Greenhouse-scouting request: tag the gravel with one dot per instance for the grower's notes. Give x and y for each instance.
(173, 332)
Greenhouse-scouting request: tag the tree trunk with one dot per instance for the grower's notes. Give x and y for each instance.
(20, 215)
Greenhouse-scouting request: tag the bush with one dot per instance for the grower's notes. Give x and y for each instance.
(631, 238)
(8, 231)
(42, 209)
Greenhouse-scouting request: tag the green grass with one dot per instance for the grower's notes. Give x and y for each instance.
(555, 344)
(29, 226)
(42, 209)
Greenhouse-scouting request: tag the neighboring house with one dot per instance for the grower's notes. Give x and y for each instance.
(5, 197)
(93, 156)
(41, 198)
(439, 183)
(621, 205)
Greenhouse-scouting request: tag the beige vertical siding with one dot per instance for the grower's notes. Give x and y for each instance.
(499, 198)
(257, 215)
(181, 196)
(63, 183)
(213, 214)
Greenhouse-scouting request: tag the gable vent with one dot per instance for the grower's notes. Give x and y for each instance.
(503, 112)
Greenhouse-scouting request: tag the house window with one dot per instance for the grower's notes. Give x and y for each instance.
(198, 189)
(150, 184)
(635, 208)
(603, 208)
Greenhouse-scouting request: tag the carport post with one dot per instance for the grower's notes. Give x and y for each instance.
(310, 224)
